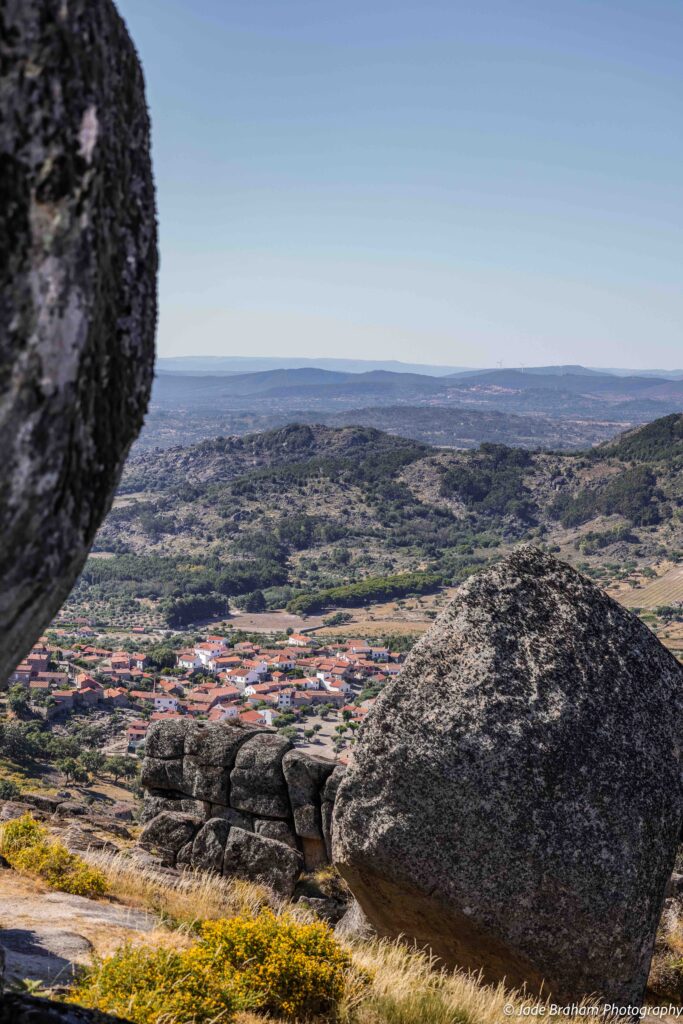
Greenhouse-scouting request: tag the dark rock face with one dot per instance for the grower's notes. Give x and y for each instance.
(515, 798)
(259, 859)
(257, 782)
(77, 293)
(329, 795)
(209, 845)
(305, 783)
(169, 832)
(354, 924)
(78, 269)
(19, 1009)
(229, 779)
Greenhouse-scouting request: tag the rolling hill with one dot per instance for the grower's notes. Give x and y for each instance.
(296, 512)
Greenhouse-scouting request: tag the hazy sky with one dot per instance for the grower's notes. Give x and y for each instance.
(433, 180)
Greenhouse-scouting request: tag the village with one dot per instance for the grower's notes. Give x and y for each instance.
(315, 692)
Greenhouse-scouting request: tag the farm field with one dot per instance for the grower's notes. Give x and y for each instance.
(398, 618)
(666, 590)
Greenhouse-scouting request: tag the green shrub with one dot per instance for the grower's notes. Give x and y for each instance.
(633, 493)
(293, 970)
(371, 589)
(9, 789)
(20, 834)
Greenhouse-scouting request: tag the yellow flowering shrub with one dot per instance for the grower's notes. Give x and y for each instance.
(27, 846)
(266, 963)
(294, 970)
(159, 987)
(21, 833)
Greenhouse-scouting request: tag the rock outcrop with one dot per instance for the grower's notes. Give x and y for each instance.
(236, 800)
(78, 267)
(514, 802)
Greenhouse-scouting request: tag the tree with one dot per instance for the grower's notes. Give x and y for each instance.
(162, 657)
(309, 733)
(17, 742)
(69, 767)
(130, 768)
(93, 761)
(254, 602)
(119, 767)
(17, 699)
(9, 789)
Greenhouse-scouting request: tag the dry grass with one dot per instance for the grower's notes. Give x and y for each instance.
(666, 970)
(406, 986)
(667, 589)
(181, 901)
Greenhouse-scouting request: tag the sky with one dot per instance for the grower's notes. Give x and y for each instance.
(463, 183)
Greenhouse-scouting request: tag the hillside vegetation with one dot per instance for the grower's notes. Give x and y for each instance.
(312, 517)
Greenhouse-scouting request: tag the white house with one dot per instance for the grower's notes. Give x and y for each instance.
(222, 711)
(205, 652)
(257, 666)
(336, 685)
(299, 640)
(165, 702)
(188, 661)
(240, 677)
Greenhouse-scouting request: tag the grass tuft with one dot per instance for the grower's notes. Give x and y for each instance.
(183, 901)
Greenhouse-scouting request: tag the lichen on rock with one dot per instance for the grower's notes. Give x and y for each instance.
(78, 266)
(514, 801)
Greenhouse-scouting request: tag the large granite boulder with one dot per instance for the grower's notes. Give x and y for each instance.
(78, 269)
(22, 1009)
(208, 848)
(166, 740)
(328, 797)
(514, 802)
(168, 833)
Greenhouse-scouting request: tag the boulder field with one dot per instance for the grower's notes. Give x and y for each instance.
(514, 801)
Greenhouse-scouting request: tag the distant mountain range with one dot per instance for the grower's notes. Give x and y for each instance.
(575, 390)
(552, 407)
(246, 364)
(190, 365)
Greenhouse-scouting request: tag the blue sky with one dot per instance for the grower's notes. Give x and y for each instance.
(433, 181)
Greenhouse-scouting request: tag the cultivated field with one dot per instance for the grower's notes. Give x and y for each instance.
(666, 590)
